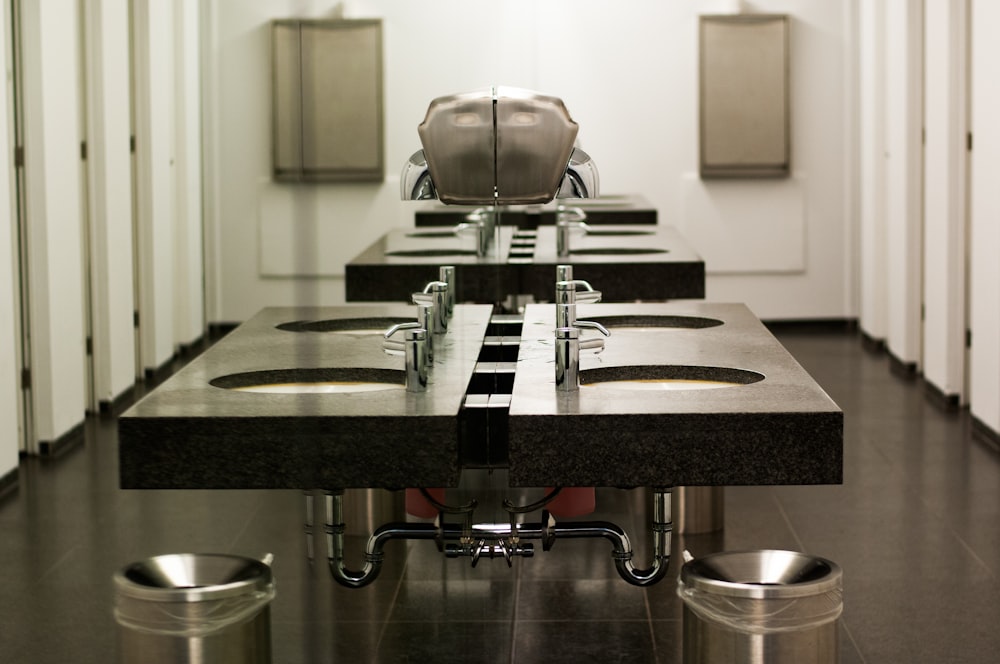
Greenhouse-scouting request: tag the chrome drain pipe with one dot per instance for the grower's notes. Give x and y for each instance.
(498, 541)
(374, 554)
(621, 546)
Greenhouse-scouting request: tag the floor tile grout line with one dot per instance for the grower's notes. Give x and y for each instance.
(392, 604)
(54, 566)
(515, 618)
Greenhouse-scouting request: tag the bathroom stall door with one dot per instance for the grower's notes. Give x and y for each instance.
(133, 187)
(87, 230)
(27, 442)
(945, 194)
(109, 172)
(155, 186)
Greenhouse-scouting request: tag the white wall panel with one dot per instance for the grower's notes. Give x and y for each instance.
(52, 108)
(873, 319)
(904, 121)
(628, 75)
(110, 196)
(155, 178)
(945, 110)
(189, 308)
(9, 435)
(984, 202)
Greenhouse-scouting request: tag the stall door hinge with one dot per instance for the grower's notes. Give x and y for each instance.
(19, 156)
(25, 379)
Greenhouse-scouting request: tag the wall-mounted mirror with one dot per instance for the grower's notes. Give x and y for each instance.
(744, 114)
(327, 109)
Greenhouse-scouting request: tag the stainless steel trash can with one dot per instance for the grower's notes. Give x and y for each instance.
(761, 606)
(699, 509)
(187, 608)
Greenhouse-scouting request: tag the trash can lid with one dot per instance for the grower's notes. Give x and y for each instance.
(193, 577)
(762, 574)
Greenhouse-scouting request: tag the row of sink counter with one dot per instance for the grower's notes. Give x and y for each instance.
(522, 261)
(684, 393)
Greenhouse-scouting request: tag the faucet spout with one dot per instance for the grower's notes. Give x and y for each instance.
(568, 341)
(415, 351)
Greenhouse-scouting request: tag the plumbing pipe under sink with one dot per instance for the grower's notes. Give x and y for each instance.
(476, 540)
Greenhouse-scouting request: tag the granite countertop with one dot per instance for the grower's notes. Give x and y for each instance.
(781, 430)
(377, 275)
(671, 269)
(605, 209)
(189, 434)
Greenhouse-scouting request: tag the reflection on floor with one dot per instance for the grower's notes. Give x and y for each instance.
(916, 528)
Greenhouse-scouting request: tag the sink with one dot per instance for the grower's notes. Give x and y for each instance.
(617, 251)
(442, 233)
(666, 378)
(416, 253)
(646, 321)
(602, 232)
(370, 325)
(195, 430)
(346, 380)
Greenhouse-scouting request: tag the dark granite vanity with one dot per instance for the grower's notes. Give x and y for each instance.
(684, 393)
(522, 261)
(769, 424)
(189, 433)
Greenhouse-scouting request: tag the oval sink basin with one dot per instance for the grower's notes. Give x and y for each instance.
(431, 252)
(666, 378)
(613, 233)
(620, 251)
(313, 381)
(679, 322)
(374, 325)
(447, 233)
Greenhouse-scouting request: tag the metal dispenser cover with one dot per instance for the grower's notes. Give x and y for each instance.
(497, 146)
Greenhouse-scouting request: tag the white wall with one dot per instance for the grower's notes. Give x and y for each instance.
(54, 206)
(904, 122)
(628, 74)
(872, 314)
(984, 203)
(110, 196)
(9, 435)
(189, 305)
(155, 178)
(945, 121)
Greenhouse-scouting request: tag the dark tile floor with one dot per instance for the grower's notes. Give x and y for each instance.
(916, 528)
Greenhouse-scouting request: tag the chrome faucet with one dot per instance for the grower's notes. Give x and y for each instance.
(435, 293)
(446, 273)
(568, 219)
(483, 222)
(414, 349)
(568, 341)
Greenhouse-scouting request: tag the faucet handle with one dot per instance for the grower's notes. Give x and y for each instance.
(592, 325)
(567, 293)
(412, 330)
(595, 344)
(572, 215)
